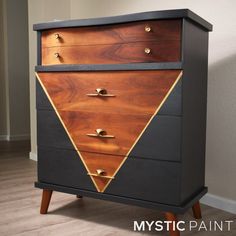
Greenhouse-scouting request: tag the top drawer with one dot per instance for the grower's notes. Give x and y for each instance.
(144, 41)
(120, 33)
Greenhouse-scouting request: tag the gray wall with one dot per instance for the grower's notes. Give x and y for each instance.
(15, 98)
(221, 128)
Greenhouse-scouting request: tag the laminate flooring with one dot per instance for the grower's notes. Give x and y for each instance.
(20, 202)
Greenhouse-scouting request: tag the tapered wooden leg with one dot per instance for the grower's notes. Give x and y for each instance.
(172, 217)
(46, 197)
(79, 196)
(197, 210)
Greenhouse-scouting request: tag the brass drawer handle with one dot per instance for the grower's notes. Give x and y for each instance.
(101, 175)
(147, 50)
(100, 92)
(57, 36)
(100, 172)
(57, 55)
(147, 28)
(101, 134)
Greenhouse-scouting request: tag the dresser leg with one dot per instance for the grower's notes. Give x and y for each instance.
(172, 217)
(79, 196)
(46, 197)
(197, 210)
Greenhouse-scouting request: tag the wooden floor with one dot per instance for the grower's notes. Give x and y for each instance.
(19, 206)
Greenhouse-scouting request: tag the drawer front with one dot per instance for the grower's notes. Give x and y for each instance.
(63, 167)
(110, 34)
(133, 92)
(160, 140)
(163, 51)
(140, 179)
(149, 180)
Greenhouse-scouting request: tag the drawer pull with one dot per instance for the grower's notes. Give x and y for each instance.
(57, 55)
(147, 50)
(101, 175)
(100, 92)
(147, 28)
(57, 36)
(101, 134)
(100, 172)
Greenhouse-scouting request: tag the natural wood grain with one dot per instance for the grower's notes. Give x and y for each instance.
(109, 34)
(161, 51)
(172, 217)
(136, 92)
(125, 128)
(19, 204)
(108, 163)
(197, 210)
(46, 198)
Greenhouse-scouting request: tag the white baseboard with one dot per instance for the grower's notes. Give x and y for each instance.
(16, 137)
(4, 137)
(219, 203)
(33, 156)
(19, 137)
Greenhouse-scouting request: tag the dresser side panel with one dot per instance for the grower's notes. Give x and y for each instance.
(194, 100)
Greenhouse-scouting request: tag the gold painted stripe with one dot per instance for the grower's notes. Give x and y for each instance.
(159, 107)
(126, 156)
(59, 117)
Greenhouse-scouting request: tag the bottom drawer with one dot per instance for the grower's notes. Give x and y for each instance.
(150, 180)
(63, 167)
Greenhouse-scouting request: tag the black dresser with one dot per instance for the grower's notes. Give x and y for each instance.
(121, 109)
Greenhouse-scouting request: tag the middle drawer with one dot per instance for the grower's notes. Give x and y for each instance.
(161, 139)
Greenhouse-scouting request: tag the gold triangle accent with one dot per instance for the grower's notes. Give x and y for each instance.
(126, 156)
(59, 117)
(155, 113)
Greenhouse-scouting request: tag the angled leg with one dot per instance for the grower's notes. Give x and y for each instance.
(197, 210)
(46, 197)
(172, 217)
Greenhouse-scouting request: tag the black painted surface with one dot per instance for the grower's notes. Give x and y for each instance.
(149, 180)
(173, 104)
(131, 201)
(111, 67)
(63, 167)
(194, 108)
(42, 101)
(152, 15)
(51, 133)
(161, 140)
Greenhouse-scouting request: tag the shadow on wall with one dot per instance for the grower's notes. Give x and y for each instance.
(221, 126)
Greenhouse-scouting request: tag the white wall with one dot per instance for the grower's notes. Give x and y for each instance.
(221, 128)
(40, 11)
(3, 111)
(14, 72)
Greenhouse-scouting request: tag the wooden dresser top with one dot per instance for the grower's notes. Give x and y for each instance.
(152, 15)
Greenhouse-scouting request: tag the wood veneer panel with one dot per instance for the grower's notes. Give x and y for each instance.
(161, 51)
(119, 33)
(126, 129)
(108, 163)
(136, 92)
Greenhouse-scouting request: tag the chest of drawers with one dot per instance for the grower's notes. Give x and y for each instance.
(121, 109)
